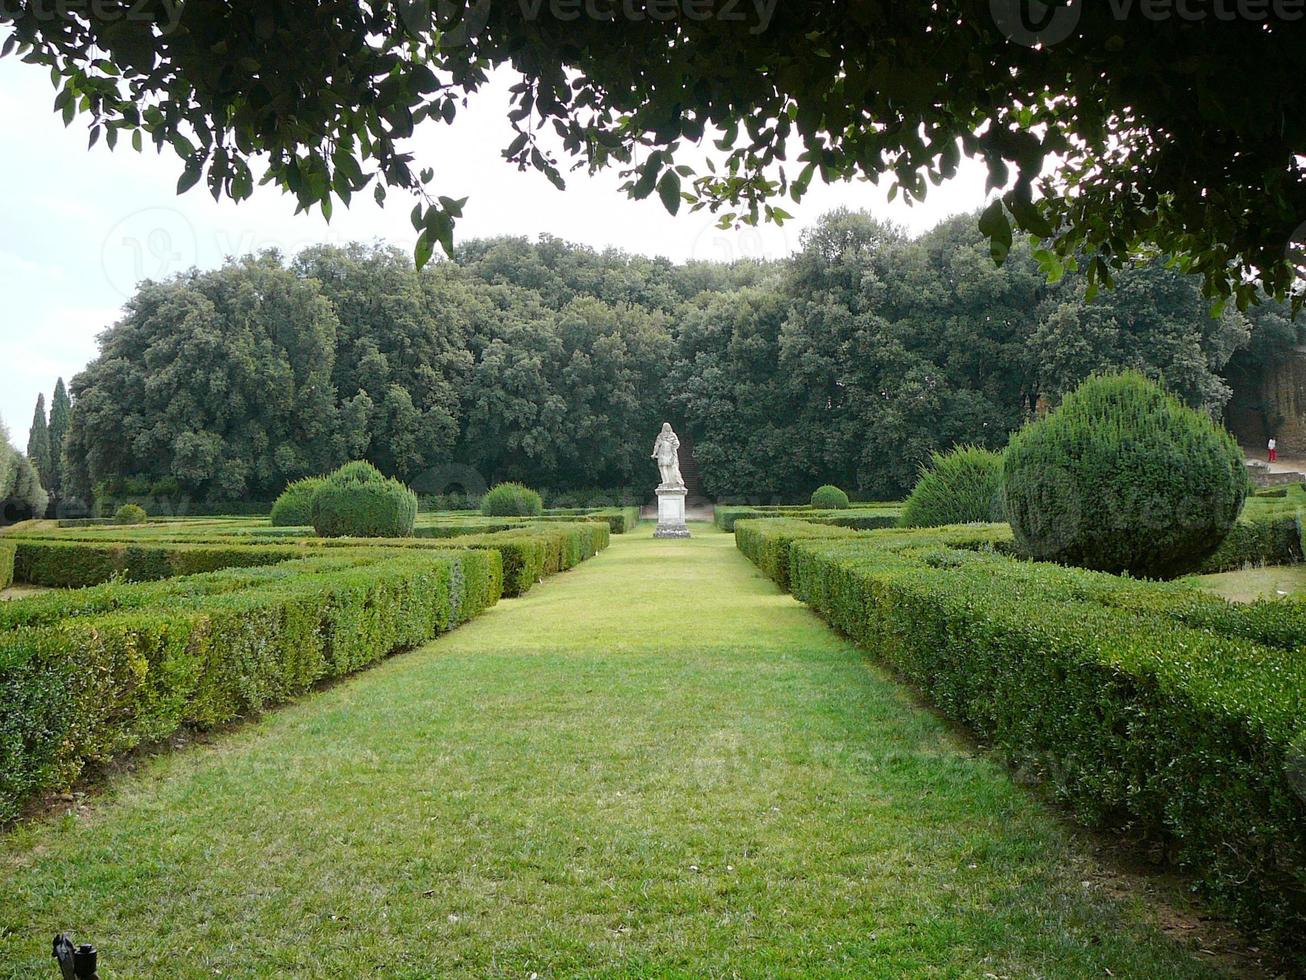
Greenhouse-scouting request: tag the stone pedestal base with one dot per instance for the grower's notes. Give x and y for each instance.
(671, 513)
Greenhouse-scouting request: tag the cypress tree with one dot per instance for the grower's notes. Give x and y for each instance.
(38, 443)
(60, 408)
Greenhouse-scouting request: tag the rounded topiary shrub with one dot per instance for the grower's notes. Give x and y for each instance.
(294, 508)
(829, 498)
(357, 500)
(512, 500)
(1123, 478)
(130, 514)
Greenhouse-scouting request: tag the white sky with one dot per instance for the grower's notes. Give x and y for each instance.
(79, 229)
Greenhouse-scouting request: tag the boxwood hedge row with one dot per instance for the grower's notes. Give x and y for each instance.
(859, 516)
(6, 564)
(79, 558)
(86, 688)
(621, 520)
(68, 564)
(1145, 705)
(1273, 540)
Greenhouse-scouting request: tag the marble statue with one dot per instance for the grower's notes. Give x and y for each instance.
(671, 492)
(667, 452)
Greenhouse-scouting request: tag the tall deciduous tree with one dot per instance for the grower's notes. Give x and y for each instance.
(221, 380)
(1169, 129)
(550, 363)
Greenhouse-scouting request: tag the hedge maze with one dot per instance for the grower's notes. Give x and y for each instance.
(1149, 706)
(199, 622)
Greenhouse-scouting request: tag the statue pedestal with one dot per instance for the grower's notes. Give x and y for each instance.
(671, 513)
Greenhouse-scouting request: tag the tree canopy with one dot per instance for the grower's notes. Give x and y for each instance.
(1171, 128)
(552, 364)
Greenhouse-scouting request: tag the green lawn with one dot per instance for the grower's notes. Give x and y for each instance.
(1270, 582)
(653, 765)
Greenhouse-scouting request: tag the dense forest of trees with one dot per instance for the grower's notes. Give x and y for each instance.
(554, 364)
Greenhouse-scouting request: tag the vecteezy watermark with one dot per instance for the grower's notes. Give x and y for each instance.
(1043, 23)
(153, 243)
(165, 15)
(450, 478)
(1035, 23)
(1196, 11)
(757, 243)
(462, 22)
(725, 11)
(458, 23)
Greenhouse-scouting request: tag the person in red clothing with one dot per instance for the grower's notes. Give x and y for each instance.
(1274, 451)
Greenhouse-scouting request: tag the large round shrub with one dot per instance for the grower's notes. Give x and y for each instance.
(829, 498)
(960, 487)
(130, 514)
(1123, 478)
(358, 501)
(512, 500)
(294, 508)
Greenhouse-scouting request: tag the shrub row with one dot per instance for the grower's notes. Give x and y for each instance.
(523, 558)
(78, 559)
(89, 688)
(861, 517)
(527, 553)
(621, 520)
(53, 606)
(70, 564)
(7, 551)
(1147, 705)
(166, 507)
(1272, 540)
(768, 542)
(470, 525)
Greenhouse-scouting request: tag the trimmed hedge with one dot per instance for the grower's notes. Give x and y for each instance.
(50, 607)
(7, 552)
(1147, 705)
(471, 525)
(863, 518)
(766, 543)
(620, 519)
(1270, 541)
(82, 558)
(106, 507)
(75, 564)
(87, 689)
(566, 545)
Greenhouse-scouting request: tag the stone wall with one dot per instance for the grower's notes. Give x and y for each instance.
(1272, 403)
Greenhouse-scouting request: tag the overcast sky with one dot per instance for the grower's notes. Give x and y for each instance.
(79, 229)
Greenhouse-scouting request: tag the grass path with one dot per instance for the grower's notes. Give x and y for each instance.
(653, 765)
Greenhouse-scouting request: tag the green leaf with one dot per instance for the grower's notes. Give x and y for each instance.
(191, 175)
(669, 191)
(517, 145)
(423, 250)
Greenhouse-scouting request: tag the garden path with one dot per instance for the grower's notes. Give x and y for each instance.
(655, 764)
